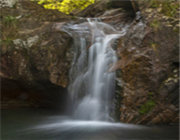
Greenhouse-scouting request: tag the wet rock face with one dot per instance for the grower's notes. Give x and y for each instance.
(35, 54)
(149, 65)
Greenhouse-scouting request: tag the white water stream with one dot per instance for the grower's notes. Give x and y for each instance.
(93, 78)
(92, 88)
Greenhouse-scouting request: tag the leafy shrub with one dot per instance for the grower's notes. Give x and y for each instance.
(169, 8)
(65, 6)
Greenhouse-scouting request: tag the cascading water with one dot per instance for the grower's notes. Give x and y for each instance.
(92, 84)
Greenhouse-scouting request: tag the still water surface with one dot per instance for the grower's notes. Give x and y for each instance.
(43, 124)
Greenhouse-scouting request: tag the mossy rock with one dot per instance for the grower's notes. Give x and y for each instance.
(147, 107)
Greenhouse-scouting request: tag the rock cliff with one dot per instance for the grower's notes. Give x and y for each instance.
(149, 65)
(36, 56)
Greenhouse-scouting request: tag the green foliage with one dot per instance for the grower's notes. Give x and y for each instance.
(168, 7)
(154, 4)
(7, 41)
(154, 46)
(9, 29)
(155, 24)
(10, 20)
(65, 6)
(109, 4)
(177, 29)
(6, 44)
(150, 94)
(147, 107)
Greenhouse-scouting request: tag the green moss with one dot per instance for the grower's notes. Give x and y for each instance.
(154, 3)
(109, 5)
(147, 107)
(26, 55)
(61, 32)
(154, 46)
(5, 45)
(73, 17)
(177, 29)
(168, 7)
(9, 28)
(155, 24)
(7, 41)
(27, 15)
(15, 5)
(150, 93)
(10, 20)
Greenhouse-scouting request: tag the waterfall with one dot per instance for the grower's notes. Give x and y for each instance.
(92, 85)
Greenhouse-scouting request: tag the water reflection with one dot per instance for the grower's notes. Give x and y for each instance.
(45, 124)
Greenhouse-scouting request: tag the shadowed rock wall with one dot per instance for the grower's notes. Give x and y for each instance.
(35, 56)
